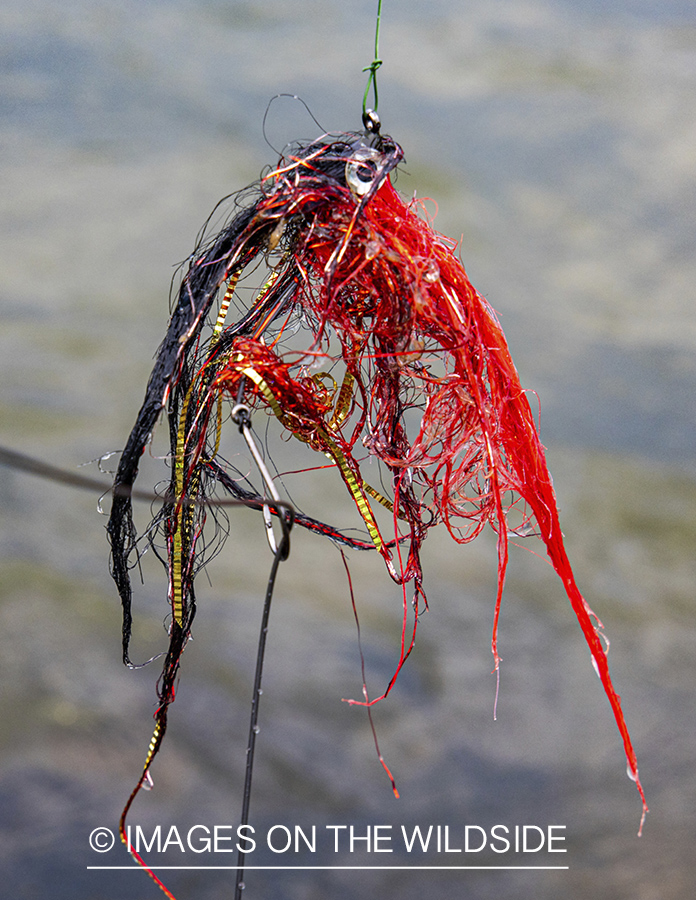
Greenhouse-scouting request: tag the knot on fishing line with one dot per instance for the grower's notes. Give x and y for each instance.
(372, 68)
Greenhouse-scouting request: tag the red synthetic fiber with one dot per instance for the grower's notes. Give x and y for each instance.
(477, 431)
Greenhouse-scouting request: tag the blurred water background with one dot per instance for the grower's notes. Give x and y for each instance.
(558, 138)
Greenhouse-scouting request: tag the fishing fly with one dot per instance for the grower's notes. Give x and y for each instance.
(366, 342)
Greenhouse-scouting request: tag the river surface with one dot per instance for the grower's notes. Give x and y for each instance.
(558, 140)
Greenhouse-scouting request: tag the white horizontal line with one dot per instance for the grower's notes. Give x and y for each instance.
(325, 868)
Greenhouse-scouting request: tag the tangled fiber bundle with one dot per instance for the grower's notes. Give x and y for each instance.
(365, 339)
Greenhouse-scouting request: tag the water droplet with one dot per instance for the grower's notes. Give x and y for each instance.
(372, 248)
(256, 729)
(241, 885)
(595, 666)
(431, 273)
(631, 774)
(260, 691)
